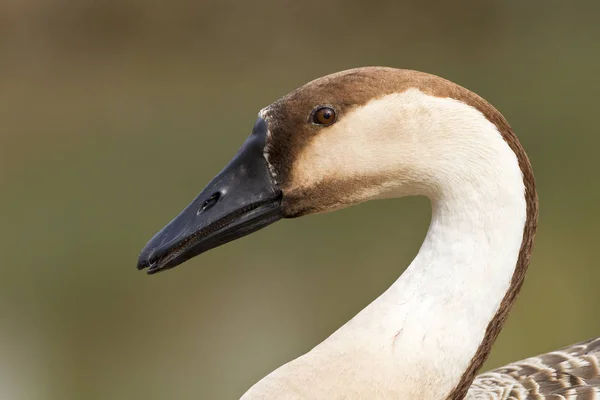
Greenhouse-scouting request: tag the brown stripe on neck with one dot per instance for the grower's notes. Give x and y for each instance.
(440, 87)
(531, 201)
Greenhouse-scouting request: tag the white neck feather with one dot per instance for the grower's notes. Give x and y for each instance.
(416, 340)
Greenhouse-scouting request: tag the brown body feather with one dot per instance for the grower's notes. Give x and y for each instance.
(569, 373)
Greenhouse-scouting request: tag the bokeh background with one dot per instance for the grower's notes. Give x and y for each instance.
(115, 113)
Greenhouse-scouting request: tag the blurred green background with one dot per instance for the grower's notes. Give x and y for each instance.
(115, 114)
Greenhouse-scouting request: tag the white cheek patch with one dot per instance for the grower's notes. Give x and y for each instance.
(366, 141)
(411, 139)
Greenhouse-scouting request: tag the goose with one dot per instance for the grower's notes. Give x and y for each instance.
(380, 133)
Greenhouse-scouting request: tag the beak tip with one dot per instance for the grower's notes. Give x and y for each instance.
(149, 256)
(149, 263)
(143, 261)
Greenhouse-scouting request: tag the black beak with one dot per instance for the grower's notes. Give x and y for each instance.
(241, 199)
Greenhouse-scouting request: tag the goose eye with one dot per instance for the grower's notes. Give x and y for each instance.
(324, 116)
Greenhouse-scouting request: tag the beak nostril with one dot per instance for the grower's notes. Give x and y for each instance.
(211, 201)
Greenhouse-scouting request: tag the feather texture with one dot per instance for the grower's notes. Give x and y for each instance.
(571, 373)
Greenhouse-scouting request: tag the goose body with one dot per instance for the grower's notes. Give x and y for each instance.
(375, 133)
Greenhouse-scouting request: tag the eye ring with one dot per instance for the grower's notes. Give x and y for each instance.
(324, 116)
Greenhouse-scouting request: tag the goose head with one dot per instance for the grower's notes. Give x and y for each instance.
(339, 140)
